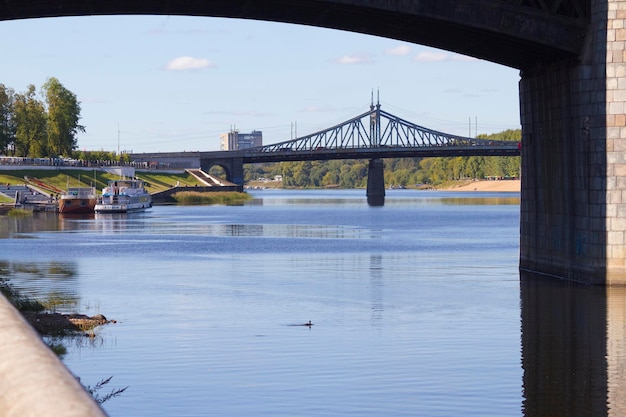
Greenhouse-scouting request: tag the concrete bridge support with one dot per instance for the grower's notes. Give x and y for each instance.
(376, 183)
(232, 166)
(573, 214)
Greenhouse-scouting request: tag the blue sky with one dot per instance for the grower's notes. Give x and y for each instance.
(170, 83)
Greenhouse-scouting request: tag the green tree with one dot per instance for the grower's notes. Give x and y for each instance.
(318, 169)
(7, 118)
(254, 171)
(302, 174)
(475, 167)
(330, 178)
(63, 116)
(30, 122)
(286, 170)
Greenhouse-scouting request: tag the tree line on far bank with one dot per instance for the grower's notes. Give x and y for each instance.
(404, 172)
(43, 124)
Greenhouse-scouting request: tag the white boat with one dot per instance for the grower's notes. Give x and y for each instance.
(124, 196)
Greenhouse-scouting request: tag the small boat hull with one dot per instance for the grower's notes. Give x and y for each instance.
(121, 208)
(78, 200)
(77, 205)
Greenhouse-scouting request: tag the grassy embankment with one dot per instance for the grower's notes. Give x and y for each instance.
(155, 182)
(64, 178)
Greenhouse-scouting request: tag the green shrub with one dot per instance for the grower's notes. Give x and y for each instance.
(208, 198)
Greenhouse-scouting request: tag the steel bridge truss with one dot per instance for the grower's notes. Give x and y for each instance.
(375, 129)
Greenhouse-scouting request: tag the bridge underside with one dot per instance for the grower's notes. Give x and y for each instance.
(515, 33)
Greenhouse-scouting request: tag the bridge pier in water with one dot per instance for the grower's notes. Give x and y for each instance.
(573, 205)
(376, 183)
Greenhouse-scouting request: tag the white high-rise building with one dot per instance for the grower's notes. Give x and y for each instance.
(234, 140)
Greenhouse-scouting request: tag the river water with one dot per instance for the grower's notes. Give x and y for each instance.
(418, 309)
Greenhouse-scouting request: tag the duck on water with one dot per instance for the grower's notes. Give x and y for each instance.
(309, 324)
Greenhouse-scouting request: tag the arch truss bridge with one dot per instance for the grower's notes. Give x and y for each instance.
(377, 133)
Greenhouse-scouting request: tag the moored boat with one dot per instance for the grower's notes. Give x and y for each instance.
(124, 196)
(78, 200)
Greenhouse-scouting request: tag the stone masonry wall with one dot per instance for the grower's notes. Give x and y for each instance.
(573, 214)
(616, 140)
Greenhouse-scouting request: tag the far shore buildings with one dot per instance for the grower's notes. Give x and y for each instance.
(235, 140)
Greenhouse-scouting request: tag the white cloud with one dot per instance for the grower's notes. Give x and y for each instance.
(431, 56)
(458, 57)
(401, 50)
(163, 31)
(354, 59)
(184, 63)
(317, 109)
(239, 113)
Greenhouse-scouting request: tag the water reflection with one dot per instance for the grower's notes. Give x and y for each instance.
(52, 283)
(76, 341)
(500, 201)
(564, 349)
(55, 285)
(75, 221)
(245, 230)
(414, 197)
(14, 227)
(616, 350)
(377, 287)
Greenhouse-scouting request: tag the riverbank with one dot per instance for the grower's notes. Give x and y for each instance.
(155, 181)
(160, 181)
(470, 185)
(486, 185)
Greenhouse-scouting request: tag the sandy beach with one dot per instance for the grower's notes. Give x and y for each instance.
(498, 186)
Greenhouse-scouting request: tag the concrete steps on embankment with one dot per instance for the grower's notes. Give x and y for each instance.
(22, 194)
(208, 179)
(212, 184)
